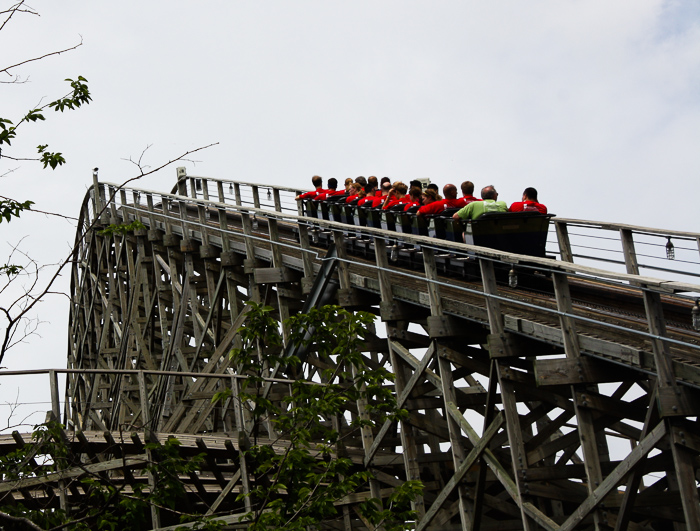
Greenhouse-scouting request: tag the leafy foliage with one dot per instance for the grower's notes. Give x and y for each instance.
(122, 229)
(10, 208)
(106, 505)
(79, 96)
(298, 487)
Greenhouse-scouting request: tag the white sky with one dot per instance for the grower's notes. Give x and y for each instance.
(594, 103)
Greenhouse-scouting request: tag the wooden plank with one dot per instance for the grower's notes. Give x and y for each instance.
(479, 447)
(615, 478)
(570, 371)
(139, 461)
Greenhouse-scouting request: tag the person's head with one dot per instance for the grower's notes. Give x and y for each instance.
(369, 189)
(385, 180)
(400, 189)
(373, 181)
(467, 188)
(489, 192)
(449, 191)
(348, 183)
(332, 183)
(430, 196)
(361, 180)
(415, 193)
(415, 184)
(355, 188)
(433, 186)
(386, 187)
(530, 194)
(317, 181)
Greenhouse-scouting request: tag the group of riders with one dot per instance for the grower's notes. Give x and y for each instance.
(373, 193)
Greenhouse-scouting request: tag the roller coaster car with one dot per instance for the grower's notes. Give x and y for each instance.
(511, 232)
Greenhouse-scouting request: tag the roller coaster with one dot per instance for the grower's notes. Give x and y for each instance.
(556, 389)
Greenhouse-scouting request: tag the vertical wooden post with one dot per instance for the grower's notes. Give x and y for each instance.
(256, 196)
(53, 386)
(343, 272)
(182, 181)
(498, 347)
(584, 418)
(564, 242)
(146, 421)
(630, 255)
(278, 201)
(237, 193)
(250, 262)
(96, 194)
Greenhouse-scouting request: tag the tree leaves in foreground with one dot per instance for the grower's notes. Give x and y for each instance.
(293, 447)
(298, 487)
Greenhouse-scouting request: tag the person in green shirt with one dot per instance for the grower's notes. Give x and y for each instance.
(490, 203)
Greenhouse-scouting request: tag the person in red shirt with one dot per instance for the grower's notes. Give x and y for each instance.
(332, 190)
(430, 196)
(318, 184)
(468, 193)
(396, 196)
(378, 200)
(356, 192)
(415, 194)
(529, 203)
(450, 201)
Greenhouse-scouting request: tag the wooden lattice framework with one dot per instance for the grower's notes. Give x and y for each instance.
(515, 397)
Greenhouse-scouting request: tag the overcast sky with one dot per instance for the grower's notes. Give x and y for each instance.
(594, 103)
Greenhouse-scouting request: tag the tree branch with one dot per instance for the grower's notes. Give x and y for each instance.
(13, 321)
(20, 520)
(6, 70)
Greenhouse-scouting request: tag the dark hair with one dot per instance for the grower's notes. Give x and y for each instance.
(332, 183)
(373, 181)
(467, 188)
(415, 192)
(317, 181)
(433, 186)
(385, 180)
(361, 180)
(530, 193)
(415, 183)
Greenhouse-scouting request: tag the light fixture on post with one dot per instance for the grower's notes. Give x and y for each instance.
(314, 236)
(255, 222)
(394, 253)
(670, 250)
(695, 312)
(230, 188)
(269, 194)
(512, 278)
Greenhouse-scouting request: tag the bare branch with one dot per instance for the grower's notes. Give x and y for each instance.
(13, 321)
(17, 8)
(39, 58)
(42, 211)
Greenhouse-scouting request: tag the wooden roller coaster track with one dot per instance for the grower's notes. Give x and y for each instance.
(567, 401)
